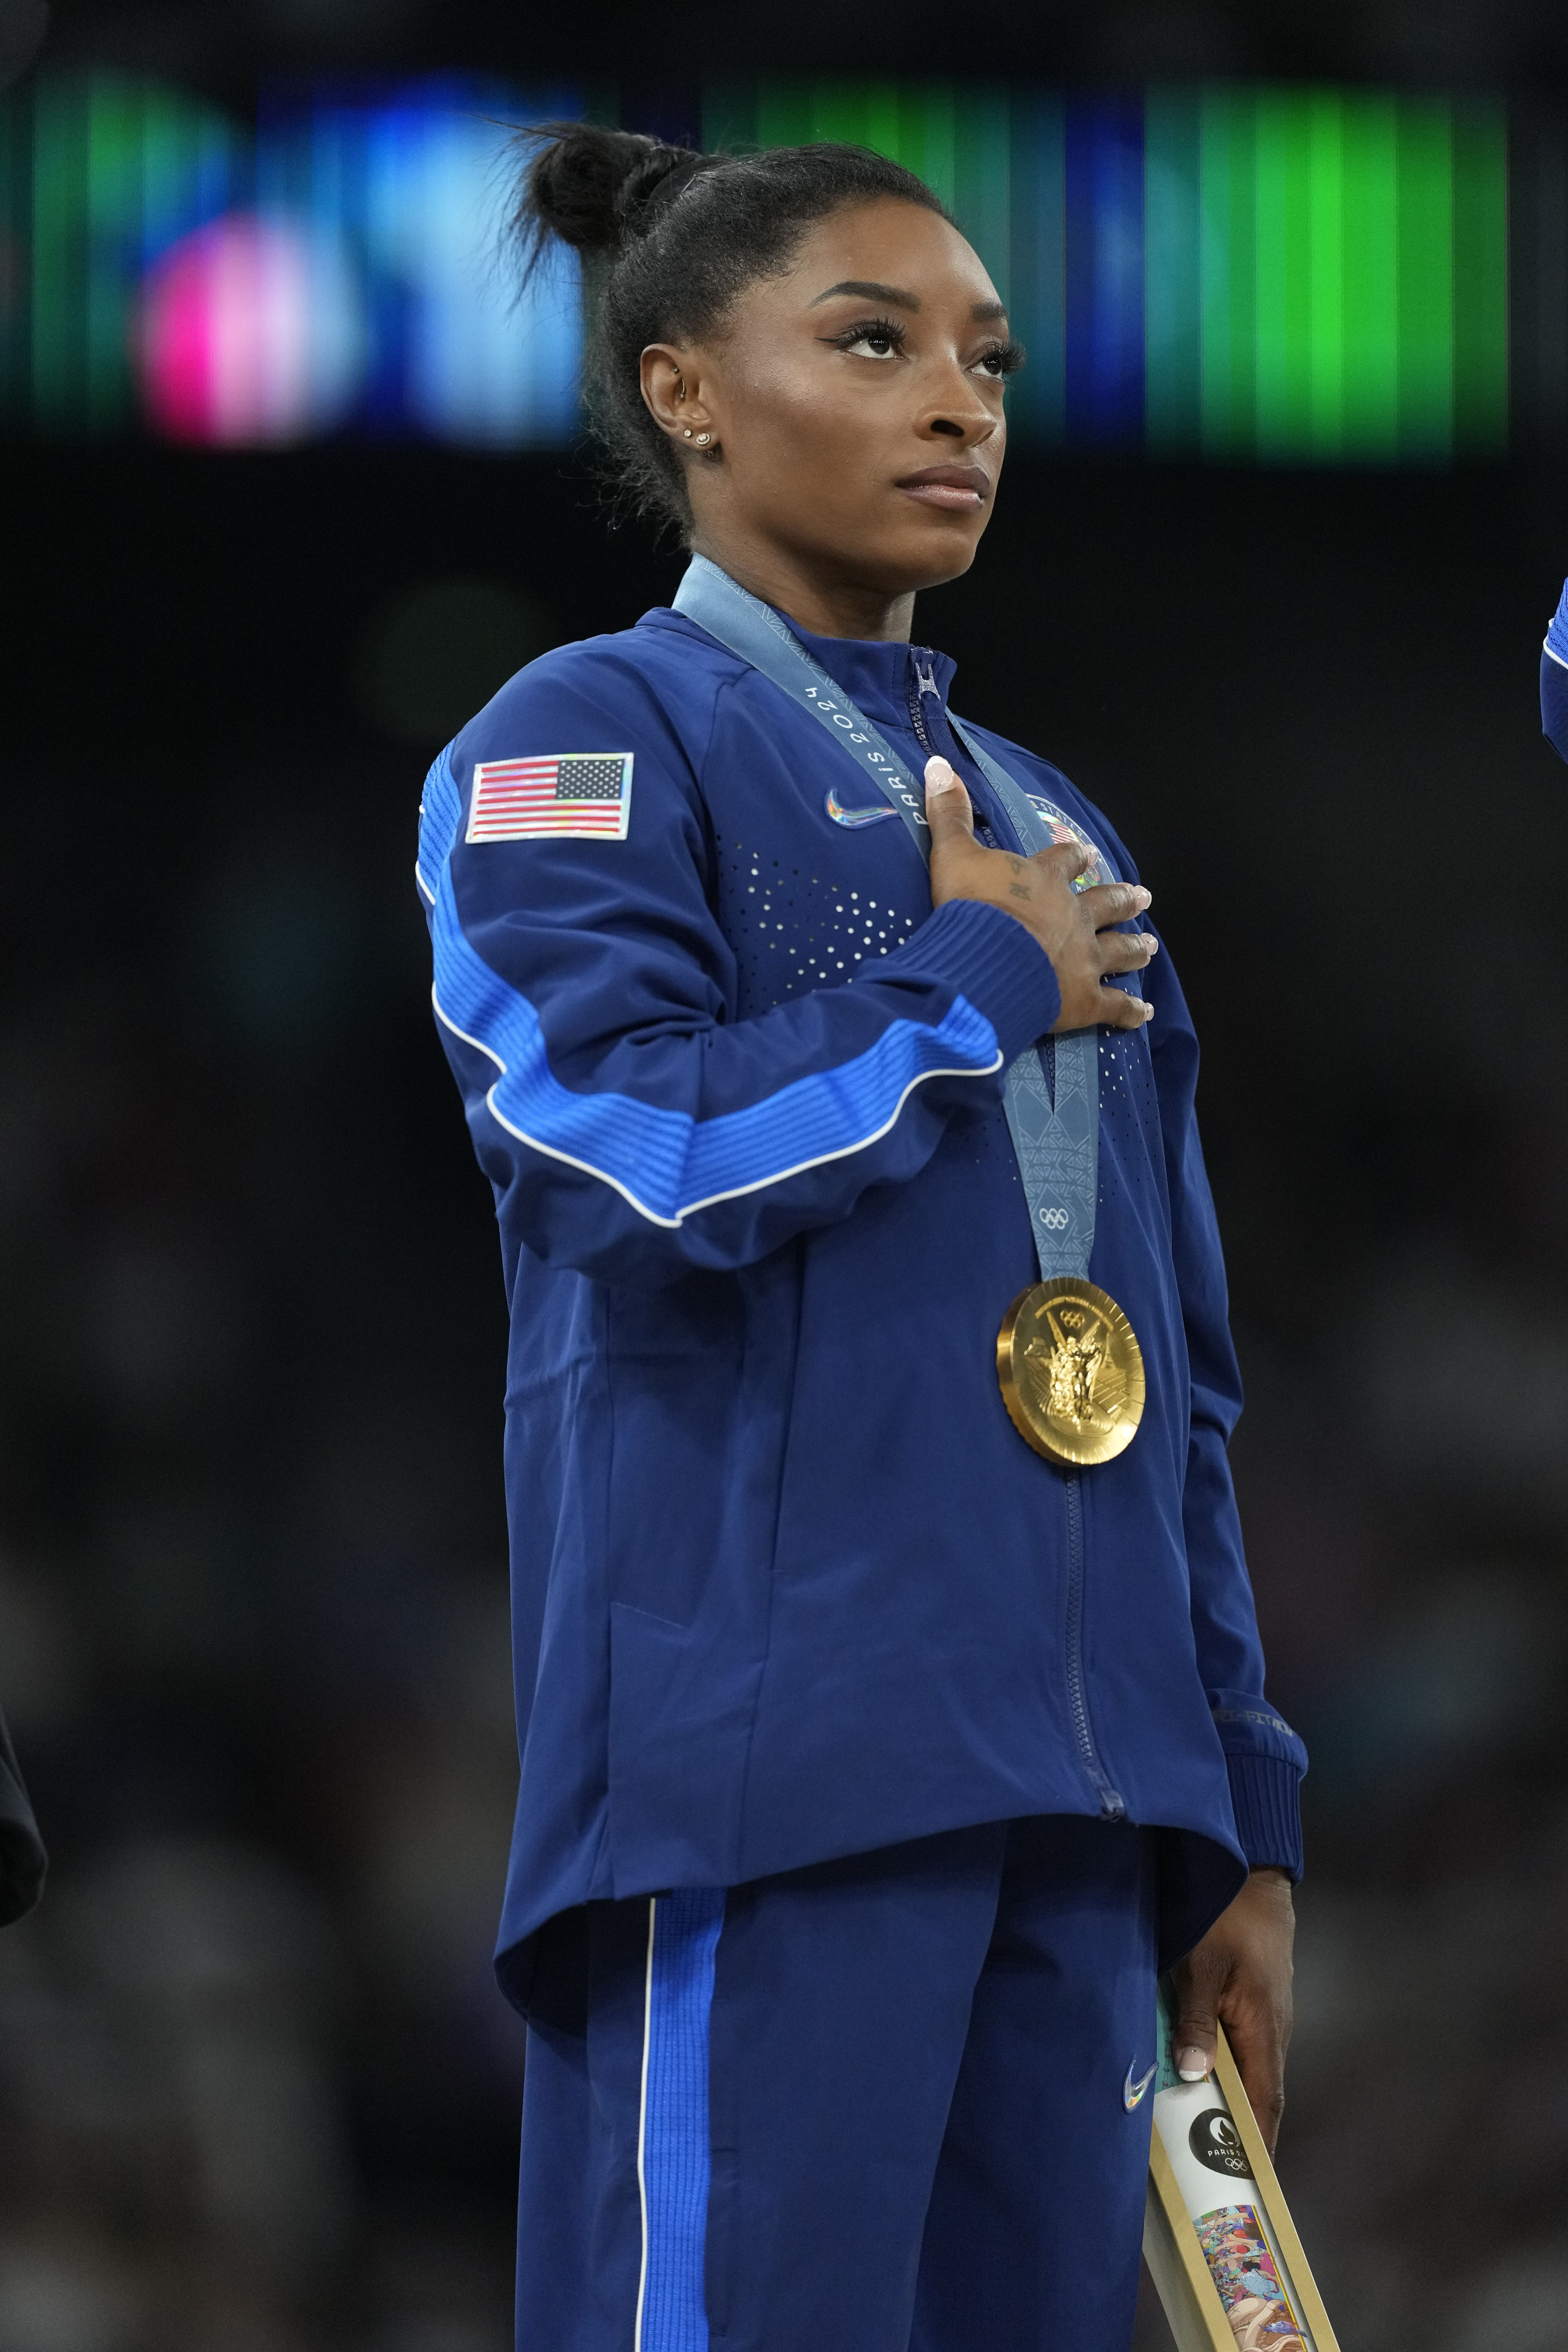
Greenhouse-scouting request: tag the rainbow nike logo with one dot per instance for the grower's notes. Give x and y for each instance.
(842, 815)
(1133, 2092)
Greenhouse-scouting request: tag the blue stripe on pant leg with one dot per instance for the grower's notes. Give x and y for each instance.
(683, 1936)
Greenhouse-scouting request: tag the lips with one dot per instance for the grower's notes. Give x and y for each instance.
(960, 488)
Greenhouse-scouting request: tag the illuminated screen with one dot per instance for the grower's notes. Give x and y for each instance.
(1291, 275)
(1272, 275)
(335, 266)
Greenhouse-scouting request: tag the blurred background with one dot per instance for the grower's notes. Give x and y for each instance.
(290, 482)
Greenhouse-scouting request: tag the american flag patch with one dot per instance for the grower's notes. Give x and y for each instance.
(572, 792)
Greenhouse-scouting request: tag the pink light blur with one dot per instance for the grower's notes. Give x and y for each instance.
(245, 335)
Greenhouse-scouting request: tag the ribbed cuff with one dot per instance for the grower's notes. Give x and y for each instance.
(992, 960)
(1265, 1795)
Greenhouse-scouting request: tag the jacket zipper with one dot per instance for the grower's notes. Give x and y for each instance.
(924, 683)
(1111, 1805)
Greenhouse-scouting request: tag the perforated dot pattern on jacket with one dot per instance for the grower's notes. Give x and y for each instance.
(792, 930)
(1128, 1106)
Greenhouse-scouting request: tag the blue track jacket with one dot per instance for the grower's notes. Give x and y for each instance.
(787, 1583)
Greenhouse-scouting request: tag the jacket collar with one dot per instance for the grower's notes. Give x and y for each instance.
(878, 676)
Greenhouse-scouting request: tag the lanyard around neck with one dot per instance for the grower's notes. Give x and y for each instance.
(1055, 1130)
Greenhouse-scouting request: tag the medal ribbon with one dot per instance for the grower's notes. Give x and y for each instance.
(1054, 1129)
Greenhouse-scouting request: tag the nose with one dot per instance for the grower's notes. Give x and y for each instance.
(958, 414)
(971, 430)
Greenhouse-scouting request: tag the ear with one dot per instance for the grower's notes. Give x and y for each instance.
(672, 388)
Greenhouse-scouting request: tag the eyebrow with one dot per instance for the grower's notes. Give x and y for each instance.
(871, 291)
(867, 289)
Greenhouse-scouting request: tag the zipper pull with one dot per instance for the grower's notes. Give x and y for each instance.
(926, 679)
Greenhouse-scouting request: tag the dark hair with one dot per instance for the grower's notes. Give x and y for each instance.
(669, 238)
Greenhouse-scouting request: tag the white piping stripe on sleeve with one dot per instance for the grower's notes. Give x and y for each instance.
(647, 1154)
(737, 1191)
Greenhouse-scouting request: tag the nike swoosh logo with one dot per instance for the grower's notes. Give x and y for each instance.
(1133, 2092)
(855, 816)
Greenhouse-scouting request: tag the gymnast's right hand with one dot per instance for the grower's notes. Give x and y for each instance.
(1070, 925)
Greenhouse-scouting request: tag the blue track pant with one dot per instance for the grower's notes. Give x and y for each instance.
(885, 2105)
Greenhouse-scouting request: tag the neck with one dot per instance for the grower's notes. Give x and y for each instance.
(824, 604)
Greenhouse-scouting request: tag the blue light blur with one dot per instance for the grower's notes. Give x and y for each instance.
(339, 269)
(415, 183)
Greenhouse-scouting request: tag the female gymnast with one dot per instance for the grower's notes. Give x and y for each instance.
(889, 1695)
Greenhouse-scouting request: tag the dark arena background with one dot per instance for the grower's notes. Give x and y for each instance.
(289, 485)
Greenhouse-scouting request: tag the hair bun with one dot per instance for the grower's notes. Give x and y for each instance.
(658, 180)
(592, 187)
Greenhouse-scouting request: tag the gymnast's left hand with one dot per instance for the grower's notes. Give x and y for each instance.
(1240, 1975)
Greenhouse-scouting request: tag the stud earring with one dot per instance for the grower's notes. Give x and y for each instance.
(703, 439)
(688, 430)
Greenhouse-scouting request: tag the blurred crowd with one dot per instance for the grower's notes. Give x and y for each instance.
(257, 2087)
(258, 2091)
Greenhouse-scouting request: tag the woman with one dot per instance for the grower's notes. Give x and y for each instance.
(876, 1752)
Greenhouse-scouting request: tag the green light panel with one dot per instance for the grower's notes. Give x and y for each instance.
(97, 175)
(1284, 274)
(1274, 275)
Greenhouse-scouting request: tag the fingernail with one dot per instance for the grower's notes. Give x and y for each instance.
(1192, 2065)
(1145, 897)
(939, 777)
(1148, 1012)
(1150, 941)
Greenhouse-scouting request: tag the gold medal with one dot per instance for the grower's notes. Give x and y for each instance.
(1071, 1373)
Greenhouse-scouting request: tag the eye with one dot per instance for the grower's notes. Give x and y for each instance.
(1001, 359)
(872, 339)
